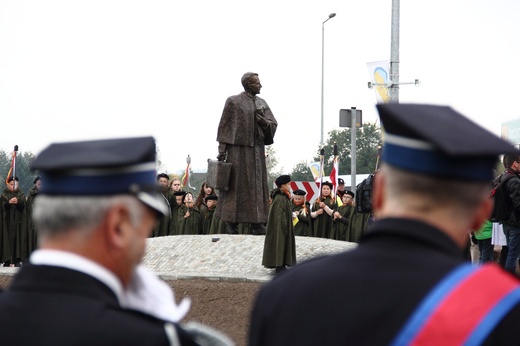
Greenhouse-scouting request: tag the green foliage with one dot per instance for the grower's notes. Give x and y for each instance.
(301, 172)
(368, 141)
(24, 174)
(272, 163)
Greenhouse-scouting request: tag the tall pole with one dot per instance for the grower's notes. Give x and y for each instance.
(394, 53)
(332, 15)
(353, 149)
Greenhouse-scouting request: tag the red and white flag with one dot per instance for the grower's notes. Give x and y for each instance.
(334, 174)
(186, 176)
(12, 169)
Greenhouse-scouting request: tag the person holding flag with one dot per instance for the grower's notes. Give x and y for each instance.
(14, 238)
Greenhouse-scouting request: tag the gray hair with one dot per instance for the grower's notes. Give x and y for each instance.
(465, 196)
(54, 215)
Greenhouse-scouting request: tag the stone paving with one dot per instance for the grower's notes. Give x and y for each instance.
(220, 257)
(231, 257)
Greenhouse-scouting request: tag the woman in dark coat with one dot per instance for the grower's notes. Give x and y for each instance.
(280, 244)
(322, 211)
(189, 218)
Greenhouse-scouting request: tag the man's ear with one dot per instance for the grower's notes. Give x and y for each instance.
(118, 225)
(378, 193)
(483, 213)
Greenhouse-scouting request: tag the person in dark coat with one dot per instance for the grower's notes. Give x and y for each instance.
(14, 248)
(210, 202)
(85, 284)
(343, 216)
(301, 210)
(163, 226)
(32, 235)
(279, 244)
(189, 218)
(407, 282)
(247, 125)
(175, 206)
(322, 211)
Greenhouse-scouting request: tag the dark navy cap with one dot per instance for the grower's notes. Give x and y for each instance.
(162, 175)
(348, 192)
(439, 141)
(101, 168)
(341, 181)
(299, 192)
(283, 179)
(327, 183)
(211, 197)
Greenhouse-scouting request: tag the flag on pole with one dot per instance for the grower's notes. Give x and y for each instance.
(322, 155)
(334, 172)
(379, 72)
(315, 170)
(334, 175)
(12, 169)
(186, 177)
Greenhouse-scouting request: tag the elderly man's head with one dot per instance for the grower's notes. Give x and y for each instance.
(99, 200)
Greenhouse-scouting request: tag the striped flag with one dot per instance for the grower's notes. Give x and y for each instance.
(334, 174)
(186, 177)
(12, 169)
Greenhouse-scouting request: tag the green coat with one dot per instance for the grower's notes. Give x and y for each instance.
(357, 227)
(163, 226)
(341, 225)
(323, 223)
(303, 226)
(191, 224)
(279, 245)
(207, 217)
(174, 225)
(32, 235)
(217, 225)
(14, 237)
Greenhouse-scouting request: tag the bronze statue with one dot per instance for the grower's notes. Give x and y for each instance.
(246, 126)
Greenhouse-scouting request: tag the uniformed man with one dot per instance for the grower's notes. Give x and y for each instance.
(85, 285)
(407, 282)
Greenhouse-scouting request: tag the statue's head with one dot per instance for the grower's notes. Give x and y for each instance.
(247, 79)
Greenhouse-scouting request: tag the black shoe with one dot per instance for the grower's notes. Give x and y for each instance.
(232, 228)
(280, 269)
(257, 229)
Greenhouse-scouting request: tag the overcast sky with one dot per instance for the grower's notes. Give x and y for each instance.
(72, 70)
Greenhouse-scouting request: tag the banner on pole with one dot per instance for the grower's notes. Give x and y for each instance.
(379, 72)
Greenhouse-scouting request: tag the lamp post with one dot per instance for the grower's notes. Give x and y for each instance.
(332, 15)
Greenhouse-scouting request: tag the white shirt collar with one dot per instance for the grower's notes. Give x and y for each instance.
(81, 264)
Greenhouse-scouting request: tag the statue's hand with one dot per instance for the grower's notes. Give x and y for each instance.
(221, 157)
(261, 120)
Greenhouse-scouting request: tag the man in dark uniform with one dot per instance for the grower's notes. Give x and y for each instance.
(162, 228)
(247, 125)
(431, 191)
(85, 285)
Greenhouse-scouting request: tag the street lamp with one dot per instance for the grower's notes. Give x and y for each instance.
(332, 15)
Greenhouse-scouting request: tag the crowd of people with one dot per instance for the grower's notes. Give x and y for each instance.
(329, 216)
(407, 282)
